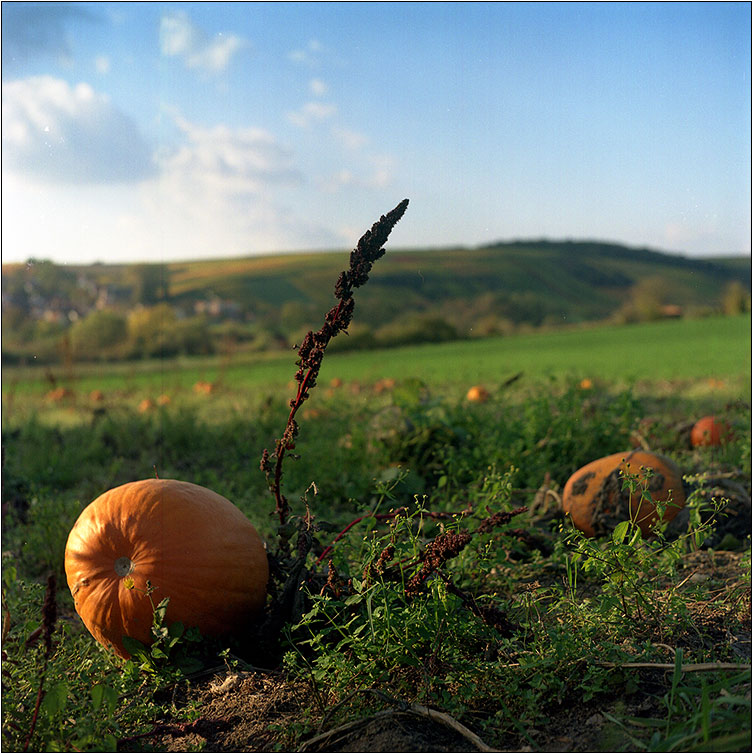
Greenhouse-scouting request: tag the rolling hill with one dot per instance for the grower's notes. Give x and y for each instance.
(413, 296)
(532, 282)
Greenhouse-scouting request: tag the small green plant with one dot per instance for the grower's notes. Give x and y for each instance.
(391, 615)
(629, 565)
(175, 649)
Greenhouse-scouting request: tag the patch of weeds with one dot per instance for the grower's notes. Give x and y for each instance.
(543, 432)
(699, 712)
(37, 538)
(61, 691)
(391, 616)
(417, 430)
(629, 568)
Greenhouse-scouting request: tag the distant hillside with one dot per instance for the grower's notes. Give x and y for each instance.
(108, 311)
(532, 282)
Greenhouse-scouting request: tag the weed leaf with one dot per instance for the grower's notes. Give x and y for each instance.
(54, 699)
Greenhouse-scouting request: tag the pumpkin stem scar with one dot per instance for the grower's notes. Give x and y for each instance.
(123, 566)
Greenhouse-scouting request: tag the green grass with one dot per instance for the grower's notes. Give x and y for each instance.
(717, 347)
(573, 604)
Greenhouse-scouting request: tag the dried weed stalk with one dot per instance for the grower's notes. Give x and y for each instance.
(289, 568)
(290, 579)
(49, 620)
(311, 351)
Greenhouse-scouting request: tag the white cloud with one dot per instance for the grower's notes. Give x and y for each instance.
(312, 112)
(224, 192)
(246, 160)
(216, 55)
(382, 170)
(318, 88)
(182, 39)
(72, 134)
(339, 179)
(177, 35)
(220, 192)
(698, 232)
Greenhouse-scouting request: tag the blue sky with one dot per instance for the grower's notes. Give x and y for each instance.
(168, 131)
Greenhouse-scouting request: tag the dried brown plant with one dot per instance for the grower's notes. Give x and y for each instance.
(311, 351)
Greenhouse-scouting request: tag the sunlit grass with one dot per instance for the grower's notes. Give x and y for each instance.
(704, 356)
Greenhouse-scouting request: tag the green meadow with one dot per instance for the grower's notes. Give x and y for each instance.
(717, 348)
(525, 621)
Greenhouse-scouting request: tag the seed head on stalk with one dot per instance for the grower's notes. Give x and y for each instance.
(311, 351)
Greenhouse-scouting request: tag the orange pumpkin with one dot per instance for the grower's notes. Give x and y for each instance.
(386, 383)
(202, 387)
(596, 501)
(193, 546)
(709, 431)
(59, 394)
(477, 394)
(146, 405)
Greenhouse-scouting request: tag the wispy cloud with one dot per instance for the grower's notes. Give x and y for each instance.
(102, 64)
(222, 192)
(180, 38)
(318, 88)
(59, 133)
(351, 140)
(309, 55)
(312, 112)
(243, 160)
(698, 231)
(374, 172)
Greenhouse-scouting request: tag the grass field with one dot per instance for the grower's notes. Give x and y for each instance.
(712, 348)
(528, 635)
(659, 351)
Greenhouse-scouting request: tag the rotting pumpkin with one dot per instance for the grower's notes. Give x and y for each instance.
(191, 544)
(596, 501)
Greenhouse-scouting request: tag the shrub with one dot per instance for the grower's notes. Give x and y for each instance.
(359, 337)
(736, 299)
(416, 329)
(156, 331)
(97, 334)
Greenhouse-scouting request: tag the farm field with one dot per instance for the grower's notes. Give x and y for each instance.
(418, 296)
(527, 636)
(715, 347)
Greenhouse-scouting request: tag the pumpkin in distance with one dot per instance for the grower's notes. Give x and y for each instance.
(193, 546)
(596, 501)
(709, 431)
(477, 394)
